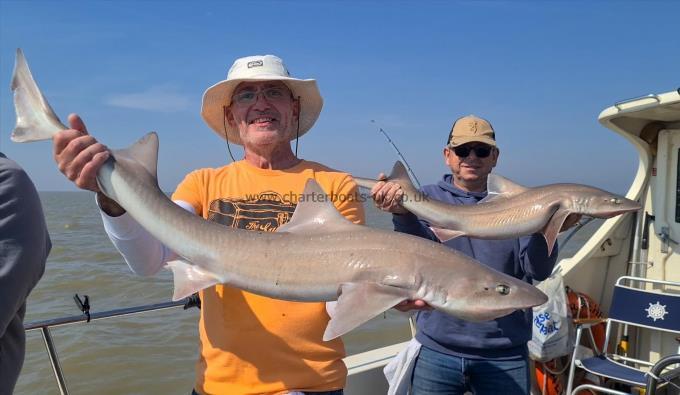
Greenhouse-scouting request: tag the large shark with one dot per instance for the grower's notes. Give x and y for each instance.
(510, 210)
(319, 255)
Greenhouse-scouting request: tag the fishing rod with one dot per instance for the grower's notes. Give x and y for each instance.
(403, 160)
(411, 319)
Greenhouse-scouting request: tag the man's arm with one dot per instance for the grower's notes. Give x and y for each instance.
(24, 241)
(143, 253)
(534, 257)
(388, 196)
(79, 156)
(534, 252)
(409, 223)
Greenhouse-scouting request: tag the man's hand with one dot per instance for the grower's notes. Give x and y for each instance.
(388, 195)
(408, 305)
(79, 155)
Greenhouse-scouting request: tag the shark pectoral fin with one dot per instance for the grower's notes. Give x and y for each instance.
(445, 235)
(358, 303)
(552, 228)
(500, 187)
(189, 279)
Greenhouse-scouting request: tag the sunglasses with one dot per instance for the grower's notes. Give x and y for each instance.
(462, 151)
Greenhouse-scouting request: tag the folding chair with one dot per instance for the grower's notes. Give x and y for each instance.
(646, 309)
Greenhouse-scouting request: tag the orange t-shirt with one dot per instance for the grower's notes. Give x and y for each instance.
(251, 344)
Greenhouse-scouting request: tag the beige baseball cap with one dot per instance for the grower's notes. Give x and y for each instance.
(471, 128)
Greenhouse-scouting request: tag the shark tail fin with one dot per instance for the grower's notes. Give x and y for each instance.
(35, 118)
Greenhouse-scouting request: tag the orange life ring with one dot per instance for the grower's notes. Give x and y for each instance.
(549, 383)
(583, 306)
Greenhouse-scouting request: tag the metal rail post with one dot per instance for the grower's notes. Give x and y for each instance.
(54, 360)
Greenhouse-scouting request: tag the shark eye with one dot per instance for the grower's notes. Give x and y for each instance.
(615, 201)
(503, 289)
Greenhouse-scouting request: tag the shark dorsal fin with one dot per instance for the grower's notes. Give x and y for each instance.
(144, 152)
(315, 214)
(400, 176)
(500, 187)
(399, 173)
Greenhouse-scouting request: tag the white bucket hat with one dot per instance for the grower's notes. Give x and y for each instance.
(258, 68)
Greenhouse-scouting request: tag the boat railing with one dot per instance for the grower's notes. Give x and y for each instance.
(619, 105)
(45, 325)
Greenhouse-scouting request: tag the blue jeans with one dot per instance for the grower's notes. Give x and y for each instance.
(443, 374)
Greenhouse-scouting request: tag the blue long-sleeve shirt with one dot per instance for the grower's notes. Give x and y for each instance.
(525, 258)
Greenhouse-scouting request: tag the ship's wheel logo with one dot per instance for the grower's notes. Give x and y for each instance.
(656, 311)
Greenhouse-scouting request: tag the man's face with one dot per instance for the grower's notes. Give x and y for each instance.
(264, 112)
(468, 166)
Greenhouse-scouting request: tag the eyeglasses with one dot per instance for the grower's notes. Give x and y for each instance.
(481, 151)
(247, 97)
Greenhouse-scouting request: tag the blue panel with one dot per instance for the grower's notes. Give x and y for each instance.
(646, 308)
(602, 366)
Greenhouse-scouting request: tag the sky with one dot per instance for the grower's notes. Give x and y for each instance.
(541, 72)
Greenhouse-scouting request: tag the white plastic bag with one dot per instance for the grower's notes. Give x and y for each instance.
(552, 328)
(400, 370)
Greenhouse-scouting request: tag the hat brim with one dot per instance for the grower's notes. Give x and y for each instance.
(470, 139)
(219, 96)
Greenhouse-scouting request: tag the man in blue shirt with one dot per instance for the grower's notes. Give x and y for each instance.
(456, 355)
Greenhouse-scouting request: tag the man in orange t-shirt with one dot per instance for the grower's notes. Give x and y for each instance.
(249, 344)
